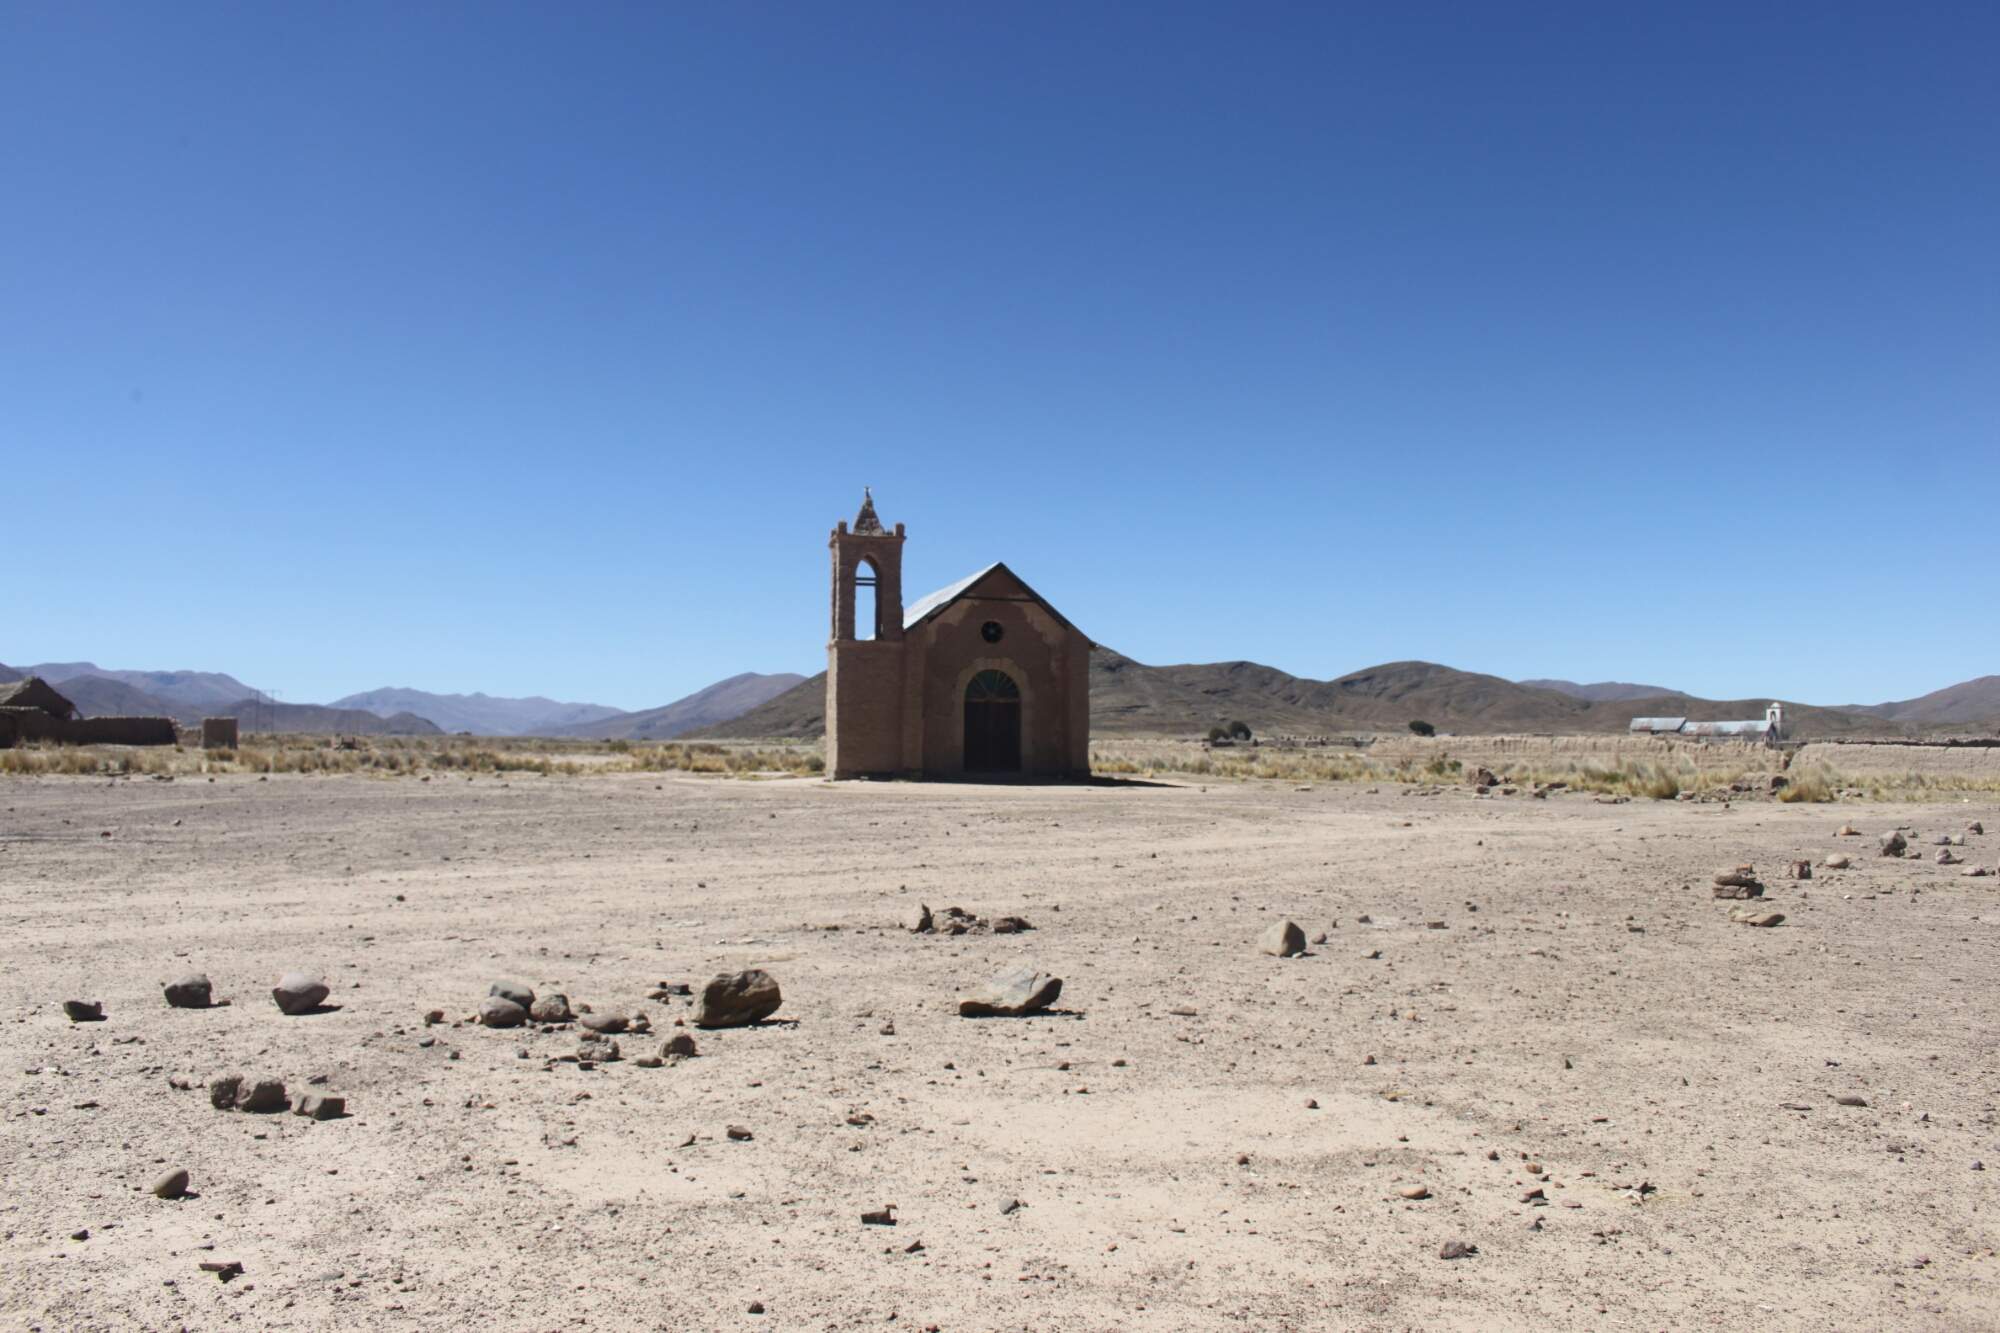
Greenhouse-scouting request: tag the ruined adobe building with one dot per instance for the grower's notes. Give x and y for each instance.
(982, 677)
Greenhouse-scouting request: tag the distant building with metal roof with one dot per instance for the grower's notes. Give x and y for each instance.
(1770, 729)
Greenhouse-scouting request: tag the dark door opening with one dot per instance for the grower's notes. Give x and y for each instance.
(992, 724)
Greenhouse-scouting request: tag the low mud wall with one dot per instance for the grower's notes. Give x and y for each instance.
(1540, 752)
(1863, 760)
(22, 725)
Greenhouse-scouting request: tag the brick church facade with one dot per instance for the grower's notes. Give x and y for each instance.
(981, 678)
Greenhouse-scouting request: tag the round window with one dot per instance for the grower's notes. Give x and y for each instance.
(991, 631)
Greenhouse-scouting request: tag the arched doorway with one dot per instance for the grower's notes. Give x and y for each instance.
(992, 724)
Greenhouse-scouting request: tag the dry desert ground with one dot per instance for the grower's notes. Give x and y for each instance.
(1532, 1013)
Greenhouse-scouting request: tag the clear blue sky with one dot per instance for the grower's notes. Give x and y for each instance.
(534, 348)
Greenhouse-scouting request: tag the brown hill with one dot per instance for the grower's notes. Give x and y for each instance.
(719, 703)
(1968, 703)
(1129, 698)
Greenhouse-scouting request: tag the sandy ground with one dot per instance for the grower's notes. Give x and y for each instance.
(1587, 1009)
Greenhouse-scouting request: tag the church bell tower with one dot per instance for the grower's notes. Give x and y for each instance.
(864, 657)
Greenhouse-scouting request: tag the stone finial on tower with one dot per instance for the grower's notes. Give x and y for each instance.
(866, 523)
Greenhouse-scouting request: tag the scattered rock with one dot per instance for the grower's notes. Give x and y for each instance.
(222, 1091)
(226, 1269)
(513, 990)
(1945, 858)
(611, 1020)
(1018, 991)
(172, 1185)
(880, 1217)
(1975, 872)
(299, 993)
(1282, 939)
(1741, 882)
(552, 1008)
(740, 1134)
(433, 1017)
(190, 992)
(1743, 917)
(497, 1011)
(84, 1011)
(1848, 831)
(1838, 861)
(1893, 844)
(1976, 827)
(319, 1106)
(680, 1046)
(264, 1097)
(958, 921)
(1415, 1191)
(1800, 870)
(1458, 1249)
(1850, 1099)
(738, 1000)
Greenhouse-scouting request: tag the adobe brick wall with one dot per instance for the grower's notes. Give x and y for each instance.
(218, 733)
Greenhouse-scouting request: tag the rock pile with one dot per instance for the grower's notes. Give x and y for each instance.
(1740, 882)
(234, 1092)
(958, 921)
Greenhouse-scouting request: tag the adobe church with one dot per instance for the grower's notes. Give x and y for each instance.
(980, 678)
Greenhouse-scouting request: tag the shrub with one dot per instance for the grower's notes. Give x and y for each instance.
(1422, 728)
(1239, 731)
(1218, 733)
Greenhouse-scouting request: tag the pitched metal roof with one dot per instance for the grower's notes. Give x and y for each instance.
(926, 607)
(1658, 723)
(1756, 728)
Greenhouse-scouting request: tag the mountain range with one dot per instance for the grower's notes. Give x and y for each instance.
(1131, 698)
(1127, 697)
(480, 714)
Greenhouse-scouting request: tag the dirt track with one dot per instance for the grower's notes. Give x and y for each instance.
(1587, 1008)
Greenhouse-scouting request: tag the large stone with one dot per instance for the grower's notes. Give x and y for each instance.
(551, 1009)
(190, 992)
(84, 1011)
(320, 1106)
(736, 1000)
(611, 1020)
(497, 1011)
(222, 1091)
(680, 1046)
(299, 993)
(1282, 939)
(1838, 861)
(1017, 991)
(172, 1185)
(265, 1097)
(918, 920)
(1893, 844)
(513, 990)
(1743, 916)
